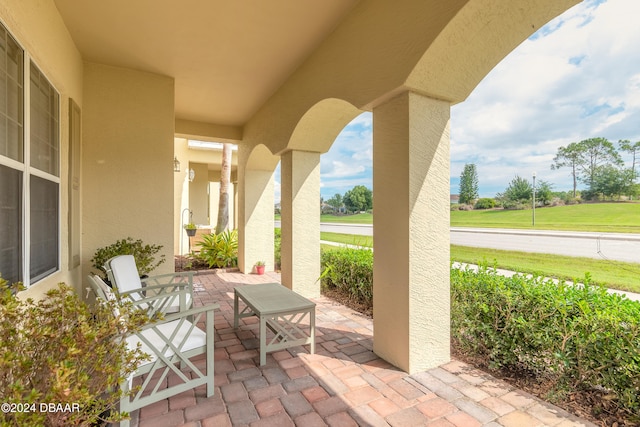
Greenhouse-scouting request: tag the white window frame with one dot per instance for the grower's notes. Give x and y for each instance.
(27, 170)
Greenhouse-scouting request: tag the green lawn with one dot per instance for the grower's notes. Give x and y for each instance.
(349, 239)
(612, 274)
(363, 218)
(600, 217)
(597, 217)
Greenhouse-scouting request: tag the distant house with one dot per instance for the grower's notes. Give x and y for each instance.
(454, 198)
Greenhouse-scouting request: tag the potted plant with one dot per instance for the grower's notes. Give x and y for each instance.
(190, 229)
(260, 267)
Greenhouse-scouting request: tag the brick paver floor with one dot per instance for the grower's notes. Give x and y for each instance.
(343, 384)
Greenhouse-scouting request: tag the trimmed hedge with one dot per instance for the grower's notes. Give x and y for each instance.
(581, 335)
(350, 271)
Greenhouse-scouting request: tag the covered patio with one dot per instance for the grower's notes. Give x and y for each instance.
(343, 384)
(99, 92)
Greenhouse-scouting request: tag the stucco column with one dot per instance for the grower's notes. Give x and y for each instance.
(300, 207)
(411, 232)
(255, 216)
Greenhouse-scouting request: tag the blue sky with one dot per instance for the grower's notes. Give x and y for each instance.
(578, 77)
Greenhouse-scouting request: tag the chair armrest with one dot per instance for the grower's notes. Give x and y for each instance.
(158, 299)
(170, 278)
(182, 314)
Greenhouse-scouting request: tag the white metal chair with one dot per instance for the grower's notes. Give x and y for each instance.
(170, 342)
(123, 274)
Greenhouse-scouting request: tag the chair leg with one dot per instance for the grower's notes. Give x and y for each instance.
(124, 401)
(210, 354)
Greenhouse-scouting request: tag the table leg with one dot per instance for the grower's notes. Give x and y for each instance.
(235, 309)
(263, 340)
(312, 324)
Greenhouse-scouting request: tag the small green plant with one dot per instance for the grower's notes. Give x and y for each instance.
(145, 255)
(259, 263)
(219, 250)
(61, 351)
(190, 226)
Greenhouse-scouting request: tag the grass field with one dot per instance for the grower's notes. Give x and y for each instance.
(601, 217)
(363, 218)
(612, 274)
(349, 239)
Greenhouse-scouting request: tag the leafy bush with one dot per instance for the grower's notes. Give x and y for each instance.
(277, 247)
(219, 250)
(485, 203)
(581, 335)
(350, 271)
(144, 255)
(61, 351)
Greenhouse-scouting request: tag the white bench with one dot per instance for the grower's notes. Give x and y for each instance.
(279, 309)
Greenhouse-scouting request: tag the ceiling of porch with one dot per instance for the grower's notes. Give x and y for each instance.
(227, 57)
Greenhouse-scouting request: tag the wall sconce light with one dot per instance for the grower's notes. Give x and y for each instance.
(176, 164)
(192, 175)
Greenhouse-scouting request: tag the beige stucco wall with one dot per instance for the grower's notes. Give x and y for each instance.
(128, 177)
(198, 194)
(39, 29)
(255, 207)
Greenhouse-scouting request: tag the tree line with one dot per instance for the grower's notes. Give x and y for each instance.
(358, 199)
(595, 162)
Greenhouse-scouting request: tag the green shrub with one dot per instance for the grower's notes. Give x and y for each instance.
(350, 271)
(581, 335)
(219, 250)
(145, 255)
(61, 351)
(277, 247)
(485, 203)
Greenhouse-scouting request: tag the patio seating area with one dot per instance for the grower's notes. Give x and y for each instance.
(343, 384)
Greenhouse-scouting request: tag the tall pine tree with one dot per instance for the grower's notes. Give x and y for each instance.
(469, 184)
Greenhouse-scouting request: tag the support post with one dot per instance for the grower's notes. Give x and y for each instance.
(411, 232)
(300, 207)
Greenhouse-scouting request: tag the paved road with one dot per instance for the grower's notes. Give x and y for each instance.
(615, 246)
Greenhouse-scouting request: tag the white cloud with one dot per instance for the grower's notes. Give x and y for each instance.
(340, 169)
(577, 79)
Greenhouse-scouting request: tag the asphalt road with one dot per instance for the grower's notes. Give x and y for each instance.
(614, 246)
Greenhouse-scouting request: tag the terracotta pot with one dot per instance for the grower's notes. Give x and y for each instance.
(260, 269)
